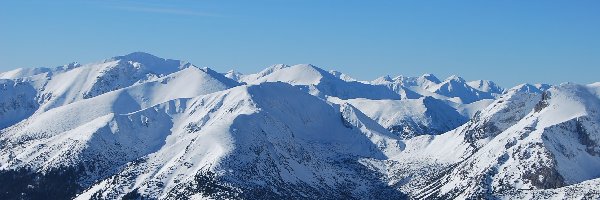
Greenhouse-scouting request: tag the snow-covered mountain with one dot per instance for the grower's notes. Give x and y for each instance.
(142, 127)
(64, 85)
(554, 145)
(319, 82)
(410, 117)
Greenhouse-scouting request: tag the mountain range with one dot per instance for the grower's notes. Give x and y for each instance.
(142, 127)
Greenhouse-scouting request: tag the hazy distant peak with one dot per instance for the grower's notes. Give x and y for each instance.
(430, 77)
(455, 78)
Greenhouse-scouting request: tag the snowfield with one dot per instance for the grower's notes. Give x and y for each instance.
(142, 127)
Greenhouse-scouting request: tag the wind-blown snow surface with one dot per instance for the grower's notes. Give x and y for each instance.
(138, 126)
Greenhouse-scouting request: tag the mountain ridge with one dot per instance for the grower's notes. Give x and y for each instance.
(146, 127)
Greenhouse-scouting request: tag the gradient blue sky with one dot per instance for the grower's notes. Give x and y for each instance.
(509, 42)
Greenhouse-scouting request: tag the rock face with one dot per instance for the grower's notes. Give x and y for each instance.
(17, 101)
(142, 127)
(516, 147)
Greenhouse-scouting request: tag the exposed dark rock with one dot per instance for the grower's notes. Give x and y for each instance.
(133, 195)
(542, 103)
(27, 184)
(477, 131)
(584, 137)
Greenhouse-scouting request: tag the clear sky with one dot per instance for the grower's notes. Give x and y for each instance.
(509, 42)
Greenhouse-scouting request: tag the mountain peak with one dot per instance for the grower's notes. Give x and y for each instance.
(151, 62)
(278, 66)
(109, 130)
(310, 67)
(430, 77)
(71, 65)
(234, 75)
(399, 78)
(383, 79)
(296, 74)
(543, 86)
(486, 86)
(526, 87)
(455, 78)
(272, 69)
(341, 75)
(138, 56)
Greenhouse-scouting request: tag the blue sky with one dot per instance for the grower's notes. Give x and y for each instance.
(509, 42)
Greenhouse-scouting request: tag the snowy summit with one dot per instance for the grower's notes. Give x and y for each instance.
(142, 127)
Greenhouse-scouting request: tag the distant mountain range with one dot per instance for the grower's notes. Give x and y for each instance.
(142, 127)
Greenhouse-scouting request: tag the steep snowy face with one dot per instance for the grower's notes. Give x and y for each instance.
(24, 72)
(17, 101)
(424, 81)
(398, 85)
(71, 83)
(100, 140)
(88, 134)
(554, 145)
(453, 88)
(262, 141)
(569, 115)
(526, 142)
(151, 63)
(187, 83)
(96, 148)
(139, 126)
(389, 143)
(234, 75)
(503, 113)
(383, 80)
(486, 86)
(123, 71)
(303, 74)
(265, 72)
(341, 75)
(408, 118)
(457, 88)
(542, 86)
(27, 72)
(320, 83)
(428, 79)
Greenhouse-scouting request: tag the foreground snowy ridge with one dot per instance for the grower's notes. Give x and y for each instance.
(142, 127)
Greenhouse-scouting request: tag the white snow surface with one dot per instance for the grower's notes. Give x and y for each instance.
(166, 129)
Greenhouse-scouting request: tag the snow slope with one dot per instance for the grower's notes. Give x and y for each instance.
(138, 126)
(410, 117)
(17, 101)
(250, 145)
(342, 76)
(68, 84)
(454, 88)
(486, 86)
(522, 142)
(319, 82)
